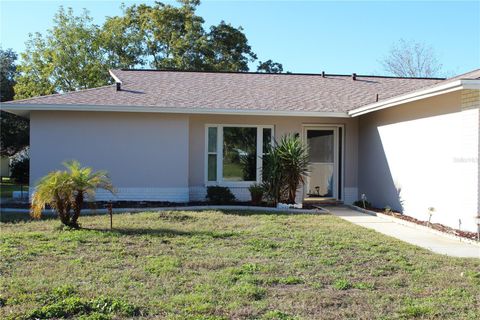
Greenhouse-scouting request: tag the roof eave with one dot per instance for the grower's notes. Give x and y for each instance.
(417, 95)
(25, 109)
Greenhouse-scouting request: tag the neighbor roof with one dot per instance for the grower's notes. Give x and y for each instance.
(187, 91)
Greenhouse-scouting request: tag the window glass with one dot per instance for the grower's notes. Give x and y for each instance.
(320, 145)
(267, 139)
(212, 139)
(239, 154)
(212, 167)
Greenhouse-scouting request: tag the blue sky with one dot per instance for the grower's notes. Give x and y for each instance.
(305, 36)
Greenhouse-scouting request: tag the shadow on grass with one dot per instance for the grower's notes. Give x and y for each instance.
(16, 217)
(255, 213)
(158, 232)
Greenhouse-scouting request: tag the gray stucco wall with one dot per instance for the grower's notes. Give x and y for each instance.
(156, 156)
(145, 154)
(423, 154)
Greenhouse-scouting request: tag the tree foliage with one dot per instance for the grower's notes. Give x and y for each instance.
(412, 59)
(76, 54)
(68, 58)
(14, 133)
(66, 190)
(8, 70)
(270, 67)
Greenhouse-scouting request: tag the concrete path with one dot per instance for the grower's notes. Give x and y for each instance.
(427, 240)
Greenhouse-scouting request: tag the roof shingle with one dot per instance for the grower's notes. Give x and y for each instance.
(238, 91)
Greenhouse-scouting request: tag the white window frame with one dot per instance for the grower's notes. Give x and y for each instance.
(226, 183)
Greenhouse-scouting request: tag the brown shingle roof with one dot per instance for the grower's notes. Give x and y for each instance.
(238, 91)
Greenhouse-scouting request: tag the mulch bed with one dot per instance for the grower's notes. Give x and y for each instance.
(436, 226)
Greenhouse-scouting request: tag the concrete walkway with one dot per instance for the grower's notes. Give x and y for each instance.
(433, 242)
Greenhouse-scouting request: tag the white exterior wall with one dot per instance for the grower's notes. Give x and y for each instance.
(424, 154)
(146, 155)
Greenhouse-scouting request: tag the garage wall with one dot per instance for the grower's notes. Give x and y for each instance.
(282, 126)
(146, 155)
(423, 154)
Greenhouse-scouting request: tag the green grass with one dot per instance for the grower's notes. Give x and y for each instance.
(220, 265)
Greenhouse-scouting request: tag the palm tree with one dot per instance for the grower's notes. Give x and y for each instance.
(294, 160)
(55, 189)
(65, 191)
(285, 166)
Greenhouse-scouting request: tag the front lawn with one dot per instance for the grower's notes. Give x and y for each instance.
(220, 265)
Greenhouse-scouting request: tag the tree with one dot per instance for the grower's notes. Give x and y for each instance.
(270, 67)
(68, 58)
(8, 70)
(76, 54)
(173, 37)
(121, 41)
(14, 133)
(228, 49)
(412, 59)
(66, 190)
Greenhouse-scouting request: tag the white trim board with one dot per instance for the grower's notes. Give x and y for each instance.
(24, 109)
(416, 95)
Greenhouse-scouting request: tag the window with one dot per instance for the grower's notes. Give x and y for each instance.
(234, 153)
(212, 154)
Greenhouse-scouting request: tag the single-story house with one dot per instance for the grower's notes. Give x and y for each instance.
(406, 143)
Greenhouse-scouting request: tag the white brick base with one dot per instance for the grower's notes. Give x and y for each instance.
(145, 194)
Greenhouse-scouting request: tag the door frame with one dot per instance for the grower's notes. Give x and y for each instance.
(339, 162)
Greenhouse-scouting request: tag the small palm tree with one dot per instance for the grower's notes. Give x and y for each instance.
(285, 166)
(294, 159)
(65, 191)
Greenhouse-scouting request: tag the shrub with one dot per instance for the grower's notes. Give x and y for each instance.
(285, 167)
(256, 192)
(359, 203)
(272, 175)
(66, 190)
(294, 160)
(219, 195)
